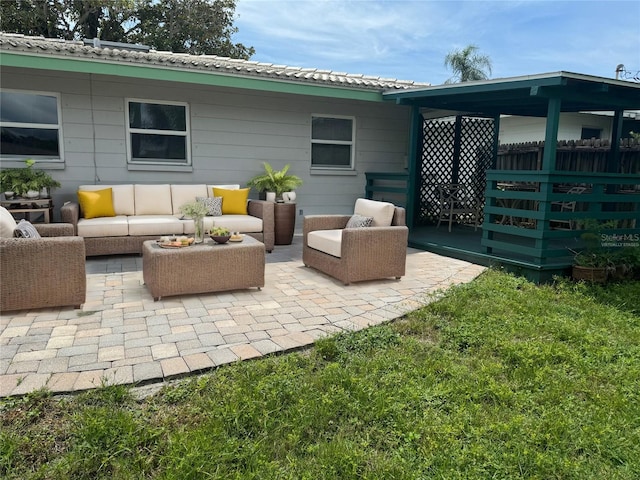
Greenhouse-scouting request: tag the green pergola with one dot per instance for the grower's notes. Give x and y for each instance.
(547, 96)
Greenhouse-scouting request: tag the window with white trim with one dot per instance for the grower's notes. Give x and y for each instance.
(332, 142)
(158, 132)
(30, 125)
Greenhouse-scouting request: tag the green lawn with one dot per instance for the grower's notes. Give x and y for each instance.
(499, 378)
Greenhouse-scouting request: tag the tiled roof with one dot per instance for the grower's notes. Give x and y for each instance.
(223, 65)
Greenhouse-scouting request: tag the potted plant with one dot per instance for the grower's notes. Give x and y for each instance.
(274, 181)
(197, 211)
(594, 263)
(27, 181)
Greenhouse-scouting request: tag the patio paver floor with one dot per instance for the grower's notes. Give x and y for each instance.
(121, 336)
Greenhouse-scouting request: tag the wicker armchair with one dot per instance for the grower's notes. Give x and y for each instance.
(45, 272)
(369, 253)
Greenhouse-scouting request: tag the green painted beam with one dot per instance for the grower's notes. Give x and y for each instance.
(8, 59)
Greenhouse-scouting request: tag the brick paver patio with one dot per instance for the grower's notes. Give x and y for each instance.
(121, 336)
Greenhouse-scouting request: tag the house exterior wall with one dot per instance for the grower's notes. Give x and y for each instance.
(532, 129)
(232, 132)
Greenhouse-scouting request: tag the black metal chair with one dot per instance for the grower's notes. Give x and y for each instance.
(455, 204)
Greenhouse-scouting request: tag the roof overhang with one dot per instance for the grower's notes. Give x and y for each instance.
(170, 74)
(109, 58)
(525, 96)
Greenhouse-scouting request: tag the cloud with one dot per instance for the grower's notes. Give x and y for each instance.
(410, 39)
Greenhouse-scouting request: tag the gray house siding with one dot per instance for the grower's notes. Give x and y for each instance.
(232, 132)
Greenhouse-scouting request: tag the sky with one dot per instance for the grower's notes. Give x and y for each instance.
(409, 40)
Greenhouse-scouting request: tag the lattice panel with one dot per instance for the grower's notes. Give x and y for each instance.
(442, 162)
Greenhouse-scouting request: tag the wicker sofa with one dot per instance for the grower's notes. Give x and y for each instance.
(357, 254)
(43, 272)
(145, 212)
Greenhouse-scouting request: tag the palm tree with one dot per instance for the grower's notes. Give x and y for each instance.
(467, 65)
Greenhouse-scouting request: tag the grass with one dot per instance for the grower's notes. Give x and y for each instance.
(498, 379)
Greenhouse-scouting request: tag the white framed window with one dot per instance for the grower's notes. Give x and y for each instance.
(158, 132)
(30, 126)
(333, 142)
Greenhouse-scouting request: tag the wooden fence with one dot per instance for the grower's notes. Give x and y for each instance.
(571, 155)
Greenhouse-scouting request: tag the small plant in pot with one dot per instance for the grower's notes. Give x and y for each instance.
(26, 182)
(594, 263)
(197, 211)
(274, 181)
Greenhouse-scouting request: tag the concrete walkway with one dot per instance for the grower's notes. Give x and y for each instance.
(121, 336)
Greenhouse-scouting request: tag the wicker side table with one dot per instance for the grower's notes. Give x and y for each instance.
(203, 268)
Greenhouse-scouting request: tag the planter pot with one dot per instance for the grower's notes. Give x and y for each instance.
(289, 197)
(590, 274)
(32, 194)
(271, 196)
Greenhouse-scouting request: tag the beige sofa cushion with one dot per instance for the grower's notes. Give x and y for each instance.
(382, 212)
(235, 223)
(327, 241)
(182, 194)
(103, 226)
(123, 202)
(152, 200)
(140, 225)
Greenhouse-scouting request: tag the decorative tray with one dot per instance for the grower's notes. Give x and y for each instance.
(164, 245)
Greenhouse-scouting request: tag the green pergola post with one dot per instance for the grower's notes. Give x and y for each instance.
(549, 165)
(415, 138)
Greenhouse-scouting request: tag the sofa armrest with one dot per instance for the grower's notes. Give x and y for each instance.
(264, 210)
(44, 272)
(70, 213)
(55, 229)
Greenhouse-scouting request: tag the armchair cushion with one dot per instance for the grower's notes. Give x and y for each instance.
(327, 241)
(7, 223)
(382, 212)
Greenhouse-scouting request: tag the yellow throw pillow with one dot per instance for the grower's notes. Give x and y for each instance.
(96, 203)
(234, 202)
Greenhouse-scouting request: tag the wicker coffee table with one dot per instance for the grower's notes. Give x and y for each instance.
(203, 268)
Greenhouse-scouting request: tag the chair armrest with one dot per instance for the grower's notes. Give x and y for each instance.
(70, 213)
(367, 244)
(324, 222)
(264, 210)
(55, 229)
